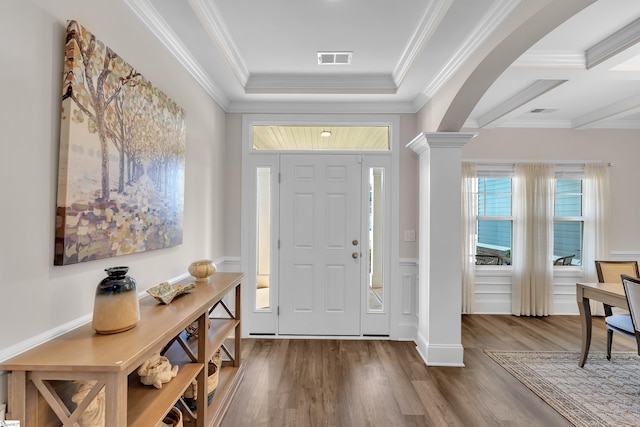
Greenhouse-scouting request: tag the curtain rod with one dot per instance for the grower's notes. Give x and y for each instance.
(557, 162)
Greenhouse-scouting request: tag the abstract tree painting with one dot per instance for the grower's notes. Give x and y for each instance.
(121, 161)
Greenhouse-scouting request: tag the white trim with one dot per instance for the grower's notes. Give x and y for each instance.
(321, 107)
(499, 113)
(45, 336)
(618, 110)
(433, 15)
(36, 340)
(490, 163)
(321, 83)
(613, 44)
(440, 354)
(408, 262)
(249, 157)
(551, 59)
(498, 12)
(150, 17)
(211, 19)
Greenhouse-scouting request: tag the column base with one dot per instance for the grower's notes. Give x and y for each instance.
(451, 355)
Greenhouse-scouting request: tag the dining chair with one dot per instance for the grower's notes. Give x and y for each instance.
(488, 260)
(610, 271)
(626, 324)
(565, 260)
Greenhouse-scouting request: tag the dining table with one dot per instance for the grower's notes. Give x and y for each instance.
(610, 294)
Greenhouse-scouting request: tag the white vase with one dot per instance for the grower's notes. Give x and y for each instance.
(202, 269)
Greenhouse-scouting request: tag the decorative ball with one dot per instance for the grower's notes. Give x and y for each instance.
(202, 269)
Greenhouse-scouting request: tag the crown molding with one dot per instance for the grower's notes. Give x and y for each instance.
(434, 13)
(150, 17)
(214, 25)
(551, 59)
(612, 45)
(498, 12)
(619, 124)
(287, 107)
(318, 83)
(518, 100)
(428, 140)
(537, 123)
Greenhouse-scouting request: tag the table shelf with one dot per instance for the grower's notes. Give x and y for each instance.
(83, 355)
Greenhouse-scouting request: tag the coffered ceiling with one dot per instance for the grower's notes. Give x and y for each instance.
(262, 57)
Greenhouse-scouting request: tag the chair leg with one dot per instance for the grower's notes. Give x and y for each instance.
(610, 343)
(638, 341)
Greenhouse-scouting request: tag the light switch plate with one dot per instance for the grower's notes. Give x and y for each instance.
(409, 235)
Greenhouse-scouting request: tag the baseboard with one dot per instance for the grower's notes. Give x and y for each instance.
(451, 355)
(36, 340)
(407, 331)
(228, 263)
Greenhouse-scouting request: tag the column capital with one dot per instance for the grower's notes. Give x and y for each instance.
(426, 140)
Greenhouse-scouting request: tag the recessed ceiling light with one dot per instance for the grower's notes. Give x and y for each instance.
(325, 133)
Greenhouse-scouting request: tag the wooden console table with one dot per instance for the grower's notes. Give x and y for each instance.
(112, 361)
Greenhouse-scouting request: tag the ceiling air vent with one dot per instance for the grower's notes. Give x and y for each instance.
(542, 110)
(334, 58)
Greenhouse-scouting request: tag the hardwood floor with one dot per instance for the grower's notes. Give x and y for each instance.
(385, 383)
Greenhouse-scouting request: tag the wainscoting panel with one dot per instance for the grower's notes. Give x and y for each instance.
(405, 319)
(493, 290)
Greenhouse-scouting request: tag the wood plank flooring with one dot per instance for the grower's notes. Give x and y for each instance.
(291, 382)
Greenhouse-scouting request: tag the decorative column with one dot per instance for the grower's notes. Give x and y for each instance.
(440, 276)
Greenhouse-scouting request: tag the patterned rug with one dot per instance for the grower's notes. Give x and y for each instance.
(603, 393)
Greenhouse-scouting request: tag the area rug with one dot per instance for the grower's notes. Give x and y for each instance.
(603, 393)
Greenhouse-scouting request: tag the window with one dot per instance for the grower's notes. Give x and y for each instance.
(568, 222)
(493, 245)
(495, 220)
(319, 138)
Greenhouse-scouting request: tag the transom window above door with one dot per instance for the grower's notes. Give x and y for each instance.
(320, 138)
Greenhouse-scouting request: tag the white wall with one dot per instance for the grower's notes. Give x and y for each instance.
(619, 147)
(37, 298)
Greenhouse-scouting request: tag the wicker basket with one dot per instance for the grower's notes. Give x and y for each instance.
(172, 419)
(191, 393)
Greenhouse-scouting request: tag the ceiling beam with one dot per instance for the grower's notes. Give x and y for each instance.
(612, 45)
(523, 97)
(611, 112)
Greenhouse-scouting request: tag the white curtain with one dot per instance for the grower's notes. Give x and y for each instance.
(469, 213)
(532, 254)
(596, 223)
(596, 218)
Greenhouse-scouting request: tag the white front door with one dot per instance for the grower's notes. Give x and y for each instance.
(320, 270)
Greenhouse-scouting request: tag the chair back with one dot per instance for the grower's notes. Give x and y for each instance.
(488, 260)
(565, 260)
(632, 291)
(610, 271)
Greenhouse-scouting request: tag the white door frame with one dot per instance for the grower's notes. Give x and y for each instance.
(264, 322)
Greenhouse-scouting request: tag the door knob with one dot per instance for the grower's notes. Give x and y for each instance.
(355, 242)
(355, 255)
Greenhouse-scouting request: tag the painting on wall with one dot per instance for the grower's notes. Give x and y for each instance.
(121, 160)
